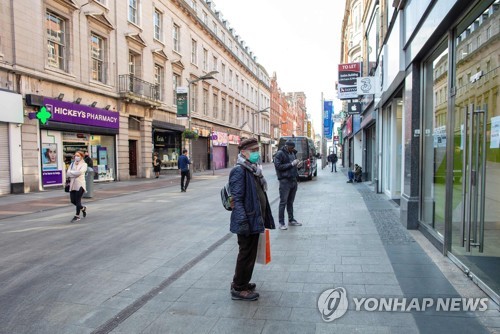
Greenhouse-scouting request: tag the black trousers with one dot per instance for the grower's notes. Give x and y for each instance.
(245, 261)
(76, 199)
(288, 189)
(187, 176)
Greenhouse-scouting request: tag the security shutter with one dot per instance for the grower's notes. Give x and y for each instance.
(233, 151)
(4, 160)
(200, 154)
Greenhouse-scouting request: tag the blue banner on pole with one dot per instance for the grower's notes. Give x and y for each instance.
(327, 119)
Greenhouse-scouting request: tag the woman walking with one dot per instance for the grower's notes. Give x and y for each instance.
(76, 174)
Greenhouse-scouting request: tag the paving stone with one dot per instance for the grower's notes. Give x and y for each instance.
(273, 313)
(231, 326)
(287, 327)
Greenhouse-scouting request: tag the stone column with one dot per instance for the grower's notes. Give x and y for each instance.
(409, 208)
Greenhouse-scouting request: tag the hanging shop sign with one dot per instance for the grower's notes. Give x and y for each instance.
(365, 85)
(327, 119)
(234, 139)
(347, 83)
(182, 102)
(353, 108)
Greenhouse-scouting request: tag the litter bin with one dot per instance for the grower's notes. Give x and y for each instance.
(89, 182)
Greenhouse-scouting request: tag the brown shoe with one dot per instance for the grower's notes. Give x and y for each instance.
(244, 295)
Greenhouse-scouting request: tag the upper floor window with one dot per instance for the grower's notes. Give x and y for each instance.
(214, 64)
(176, 80)
(176, 38)
(223, 73)
(157, 22)
(204, 17)
(215, 106)
(205, 102)
(131, 64)
(193, 5)
(133, 11)
(97, 48)
(223, 110)
(194, 52)
(56, 41)
(205, 59)
(214, 24)
(158, 81)
(230, 78)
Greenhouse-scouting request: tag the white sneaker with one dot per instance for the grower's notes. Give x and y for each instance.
(283, 227)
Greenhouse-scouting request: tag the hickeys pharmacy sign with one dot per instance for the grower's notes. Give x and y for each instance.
(74, 113)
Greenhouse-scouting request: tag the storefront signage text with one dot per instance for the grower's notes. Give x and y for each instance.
(66, 112)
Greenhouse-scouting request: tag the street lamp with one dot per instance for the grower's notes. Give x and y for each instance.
(253, 118)
(209, 75)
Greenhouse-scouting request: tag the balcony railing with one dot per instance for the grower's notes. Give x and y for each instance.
(131, 85)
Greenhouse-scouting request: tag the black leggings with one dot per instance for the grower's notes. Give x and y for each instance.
(76, 199)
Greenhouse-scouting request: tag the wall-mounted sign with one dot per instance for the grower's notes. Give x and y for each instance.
(219, 138)
(327, 119)
(66, 112)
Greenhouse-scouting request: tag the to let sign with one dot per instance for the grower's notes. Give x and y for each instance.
(348, 75)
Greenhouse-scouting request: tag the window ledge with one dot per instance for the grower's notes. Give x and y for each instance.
(59, 71)
(100, 84)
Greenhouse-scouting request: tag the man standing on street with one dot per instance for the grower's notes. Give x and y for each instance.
(183, 165)
(332, 158)
(286, 164)
(250, 215)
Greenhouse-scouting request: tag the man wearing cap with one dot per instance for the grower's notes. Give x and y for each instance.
(250, 215)
(286, 164)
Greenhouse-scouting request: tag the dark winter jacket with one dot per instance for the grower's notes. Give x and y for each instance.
(283, 164)
(246, 216)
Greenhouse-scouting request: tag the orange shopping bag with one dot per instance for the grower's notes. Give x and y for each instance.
(264, 248)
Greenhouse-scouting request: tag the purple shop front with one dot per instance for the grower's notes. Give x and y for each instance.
(72, 113)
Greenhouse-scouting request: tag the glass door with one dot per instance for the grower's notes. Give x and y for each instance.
(475, 235)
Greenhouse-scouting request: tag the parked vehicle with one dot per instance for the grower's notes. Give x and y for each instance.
(306, 152)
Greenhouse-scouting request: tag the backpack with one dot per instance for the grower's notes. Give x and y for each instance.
(225, 196)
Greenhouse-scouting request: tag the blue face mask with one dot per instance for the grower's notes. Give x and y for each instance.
(254, 157)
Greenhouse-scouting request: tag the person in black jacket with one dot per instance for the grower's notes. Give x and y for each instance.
(332, 158)
(286, 164)
(250, 215)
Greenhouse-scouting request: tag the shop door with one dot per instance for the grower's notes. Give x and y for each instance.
(476, 231)
(200, 154)
(132, 156)
(4, 159)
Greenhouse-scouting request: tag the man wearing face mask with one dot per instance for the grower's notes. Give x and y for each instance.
(286, 164)
(250, 215)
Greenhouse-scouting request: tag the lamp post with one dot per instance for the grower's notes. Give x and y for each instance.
(209, 75)
(253, 118)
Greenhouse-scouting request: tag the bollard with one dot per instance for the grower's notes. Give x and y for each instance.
(89, 183)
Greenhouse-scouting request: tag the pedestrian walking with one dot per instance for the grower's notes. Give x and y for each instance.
(286, 164)
(332, 158)
(251, 214)
(183, 165)
(76, 173)
(156, 165)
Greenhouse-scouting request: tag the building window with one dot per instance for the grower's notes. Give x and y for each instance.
(488, 33)
(205, 59)
(133, 11)
(215, 102)
(214, 63)
(223, 38)
(192, 92)
(230, 78)
(230, 112)
(176, 79)
(223, 109)
(56, 41)
(214, 24)
(159, 81)
(205, 102)
(223, 74)
(193, 5)
(97, 45)
(157, 21)
(194, 52)
(237, 82)
(204, 17)
(131, 64)
(176, 38)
